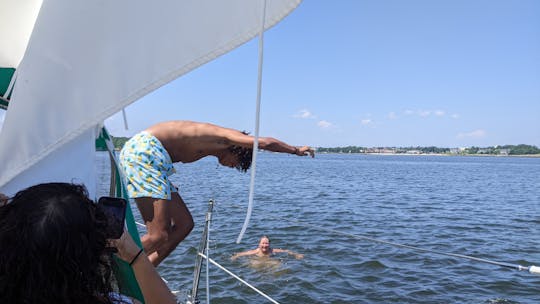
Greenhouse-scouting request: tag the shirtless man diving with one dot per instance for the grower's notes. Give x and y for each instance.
(147, 161)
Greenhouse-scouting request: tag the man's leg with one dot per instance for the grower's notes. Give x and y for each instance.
(156, 216)
(182, 224)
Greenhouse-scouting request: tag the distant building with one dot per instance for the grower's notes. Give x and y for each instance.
(483, 151)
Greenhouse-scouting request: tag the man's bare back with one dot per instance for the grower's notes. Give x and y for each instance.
(188, 141)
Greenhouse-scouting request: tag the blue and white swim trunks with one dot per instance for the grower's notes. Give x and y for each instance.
(146, 166)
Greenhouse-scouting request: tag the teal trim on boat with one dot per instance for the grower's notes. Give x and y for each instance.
(124, 274)
(5, 79)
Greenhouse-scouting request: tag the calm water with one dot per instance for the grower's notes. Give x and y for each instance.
(487, 207)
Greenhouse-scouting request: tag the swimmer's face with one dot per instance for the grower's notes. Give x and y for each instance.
(264, 245)
(228, 159)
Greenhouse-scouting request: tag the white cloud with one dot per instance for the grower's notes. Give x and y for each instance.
(324, 124)
(474, 134)
(439, 113)
(424, 113)
(366, 122)
(392, 115)
(455, 116)
(304, 113)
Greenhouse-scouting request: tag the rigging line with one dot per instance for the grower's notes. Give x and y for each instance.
(125, 118)
(532, 268)
(208, 221)
(257, 119)
(238, 278)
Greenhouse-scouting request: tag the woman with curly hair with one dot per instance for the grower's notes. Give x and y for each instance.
(53, 249)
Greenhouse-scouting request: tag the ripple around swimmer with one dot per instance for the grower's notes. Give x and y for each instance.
(500, 301)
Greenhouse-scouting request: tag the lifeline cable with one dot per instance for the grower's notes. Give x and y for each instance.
(532, 269)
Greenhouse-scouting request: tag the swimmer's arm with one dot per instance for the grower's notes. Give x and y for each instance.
(298, 256)
(239, 254)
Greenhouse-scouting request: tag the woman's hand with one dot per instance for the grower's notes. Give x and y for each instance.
(127, 249)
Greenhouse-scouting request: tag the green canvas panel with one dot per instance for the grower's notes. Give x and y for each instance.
(5, 79)
(122, 270)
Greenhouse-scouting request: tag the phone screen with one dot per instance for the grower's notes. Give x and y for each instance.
(115, 210)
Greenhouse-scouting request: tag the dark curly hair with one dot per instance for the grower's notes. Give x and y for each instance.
(244, 156)
(53, 247)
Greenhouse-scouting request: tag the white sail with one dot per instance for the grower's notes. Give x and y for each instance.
(86, 60)
(17, 20)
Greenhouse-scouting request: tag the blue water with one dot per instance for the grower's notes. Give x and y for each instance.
(487, 207)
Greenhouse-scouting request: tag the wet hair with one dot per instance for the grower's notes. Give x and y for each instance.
(53, 247)
(244, 155)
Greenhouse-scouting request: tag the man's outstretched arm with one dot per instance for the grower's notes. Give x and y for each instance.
(237, 138)
(275, 145)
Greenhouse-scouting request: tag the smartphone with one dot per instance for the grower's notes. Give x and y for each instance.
(115, 210)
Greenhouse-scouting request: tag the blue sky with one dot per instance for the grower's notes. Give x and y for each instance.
(373, 73)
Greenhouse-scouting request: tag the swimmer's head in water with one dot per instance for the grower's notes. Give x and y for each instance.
(264, 245)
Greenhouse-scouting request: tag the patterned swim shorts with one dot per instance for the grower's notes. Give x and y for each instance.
(145, 166)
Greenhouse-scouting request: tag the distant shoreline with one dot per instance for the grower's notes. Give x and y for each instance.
(436, 154)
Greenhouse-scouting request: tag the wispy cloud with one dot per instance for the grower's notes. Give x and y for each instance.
(428, 113)
(424, 113)
(304, 114)
(392, 115)
(474, 134)
(366, 122)
(324, 124)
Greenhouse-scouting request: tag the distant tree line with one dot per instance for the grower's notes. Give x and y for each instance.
(119, 142)
(497, 150)
(506, 149)
(348, 149)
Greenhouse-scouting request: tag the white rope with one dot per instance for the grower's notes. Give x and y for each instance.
(239, 279)
(208, 254)
(256, 138)
(125, 118)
